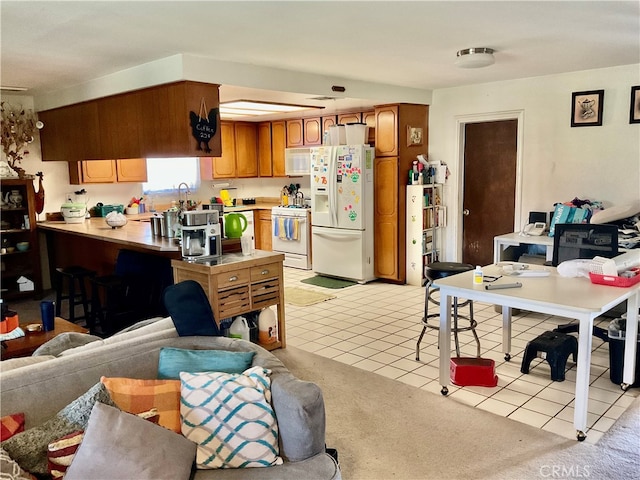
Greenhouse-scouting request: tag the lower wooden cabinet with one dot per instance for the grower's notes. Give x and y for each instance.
(387, 241)
(263, 229)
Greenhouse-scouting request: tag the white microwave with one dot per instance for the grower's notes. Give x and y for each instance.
(297, 161)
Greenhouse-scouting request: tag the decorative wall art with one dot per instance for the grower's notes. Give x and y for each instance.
(586, 108)
(634, 114)
(204, 126)
(414, 136)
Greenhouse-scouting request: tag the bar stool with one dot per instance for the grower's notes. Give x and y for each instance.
(108, 294)
(433, 272)
(74, 276)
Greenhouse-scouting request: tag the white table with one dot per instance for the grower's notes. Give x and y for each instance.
(502, 242)
(575, 298)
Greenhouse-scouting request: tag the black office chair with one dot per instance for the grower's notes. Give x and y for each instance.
(573, 241)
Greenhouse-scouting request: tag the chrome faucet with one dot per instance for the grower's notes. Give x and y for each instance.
(186, 196)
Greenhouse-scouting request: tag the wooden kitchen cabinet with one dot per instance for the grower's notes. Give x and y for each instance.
(295, 135)
(393, 160)
(328, 122)
(278, 145)
(265, 157)
(108, 171)
(353, 117)
(131, 170)
(272, 140)
(240, 285)
(370, 119)
(150, 122)
(70, 133)
(19, 225)
(312, 131)
(263, 230)
(239, 153)
(120, 122)
(246, 141)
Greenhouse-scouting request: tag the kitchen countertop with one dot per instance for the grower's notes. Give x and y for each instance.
(134, 233)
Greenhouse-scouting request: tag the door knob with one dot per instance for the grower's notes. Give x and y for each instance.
(466, 212)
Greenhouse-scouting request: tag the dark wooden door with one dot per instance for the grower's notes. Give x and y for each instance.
(490, 153)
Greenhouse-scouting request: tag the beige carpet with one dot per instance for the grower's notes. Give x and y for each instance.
(302, 297)
(385, 429)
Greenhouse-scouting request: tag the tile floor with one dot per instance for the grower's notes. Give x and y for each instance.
(375, 327)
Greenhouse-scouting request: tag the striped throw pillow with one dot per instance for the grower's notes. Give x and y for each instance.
(134, 396)
(230, 418)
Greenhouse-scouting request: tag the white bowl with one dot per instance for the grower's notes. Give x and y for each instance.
(116, 220)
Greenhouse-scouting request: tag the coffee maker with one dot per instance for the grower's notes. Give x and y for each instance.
(201, 235)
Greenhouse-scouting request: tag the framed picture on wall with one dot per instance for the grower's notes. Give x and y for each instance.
(586, 108)
(414, 136)
(634, 114)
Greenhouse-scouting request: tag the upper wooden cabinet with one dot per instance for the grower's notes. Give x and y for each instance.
(265, 163)
(354, 117)
(387, 131)
(312, 131)
(246, 149)
(278, 144)
(328, 122)
(239, 153)
(295, 136)
(151, 122)
(370, 119)
(108, 171)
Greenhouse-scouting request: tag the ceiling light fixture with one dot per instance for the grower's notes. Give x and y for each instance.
(475, 57)
(251, 108)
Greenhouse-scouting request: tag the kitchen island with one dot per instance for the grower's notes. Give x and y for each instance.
(95, 245)
(237, 284)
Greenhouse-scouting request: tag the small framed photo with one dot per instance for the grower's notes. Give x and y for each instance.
(414, 136)
(634, 114)
(586, 108)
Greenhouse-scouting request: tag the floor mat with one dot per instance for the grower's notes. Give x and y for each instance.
(328, 282)
(303, 297)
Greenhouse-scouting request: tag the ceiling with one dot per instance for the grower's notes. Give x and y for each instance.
(53, 45)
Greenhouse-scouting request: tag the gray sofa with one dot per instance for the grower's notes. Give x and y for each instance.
(40, 386)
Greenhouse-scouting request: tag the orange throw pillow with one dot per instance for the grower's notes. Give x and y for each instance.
(135, 396)
(14, 423)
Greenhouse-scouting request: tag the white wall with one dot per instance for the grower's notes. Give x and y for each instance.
(558, 162)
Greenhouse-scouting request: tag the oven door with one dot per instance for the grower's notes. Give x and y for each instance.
(289, 234)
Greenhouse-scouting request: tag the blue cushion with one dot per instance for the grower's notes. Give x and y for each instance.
(175, 360)
(189, 308)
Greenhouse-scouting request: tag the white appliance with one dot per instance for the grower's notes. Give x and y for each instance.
(342, 211)
(291, 235)
(297, 161)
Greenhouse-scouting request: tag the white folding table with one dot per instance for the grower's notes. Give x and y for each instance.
(575, 298)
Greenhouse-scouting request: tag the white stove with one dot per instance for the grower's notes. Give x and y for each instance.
(291, 235)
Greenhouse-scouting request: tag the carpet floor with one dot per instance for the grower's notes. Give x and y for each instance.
(385, 429)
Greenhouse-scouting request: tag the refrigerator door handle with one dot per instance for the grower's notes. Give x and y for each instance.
(339, 235)
(333, 187)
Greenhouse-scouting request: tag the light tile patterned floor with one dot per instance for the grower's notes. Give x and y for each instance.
(375, 327)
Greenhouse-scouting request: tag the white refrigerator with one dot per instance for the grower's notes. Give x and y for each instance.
(342, 211)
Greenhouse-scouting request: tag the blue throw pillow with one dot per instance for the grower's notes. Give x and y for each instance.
(175, 360)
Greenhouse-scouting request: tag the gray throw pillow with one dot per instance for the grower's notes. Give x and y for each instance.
(118, 445)
(29, 448)
(63, 342)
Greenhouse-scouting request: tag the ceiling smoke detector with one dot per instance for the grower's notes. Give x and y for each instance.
(475, 57)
